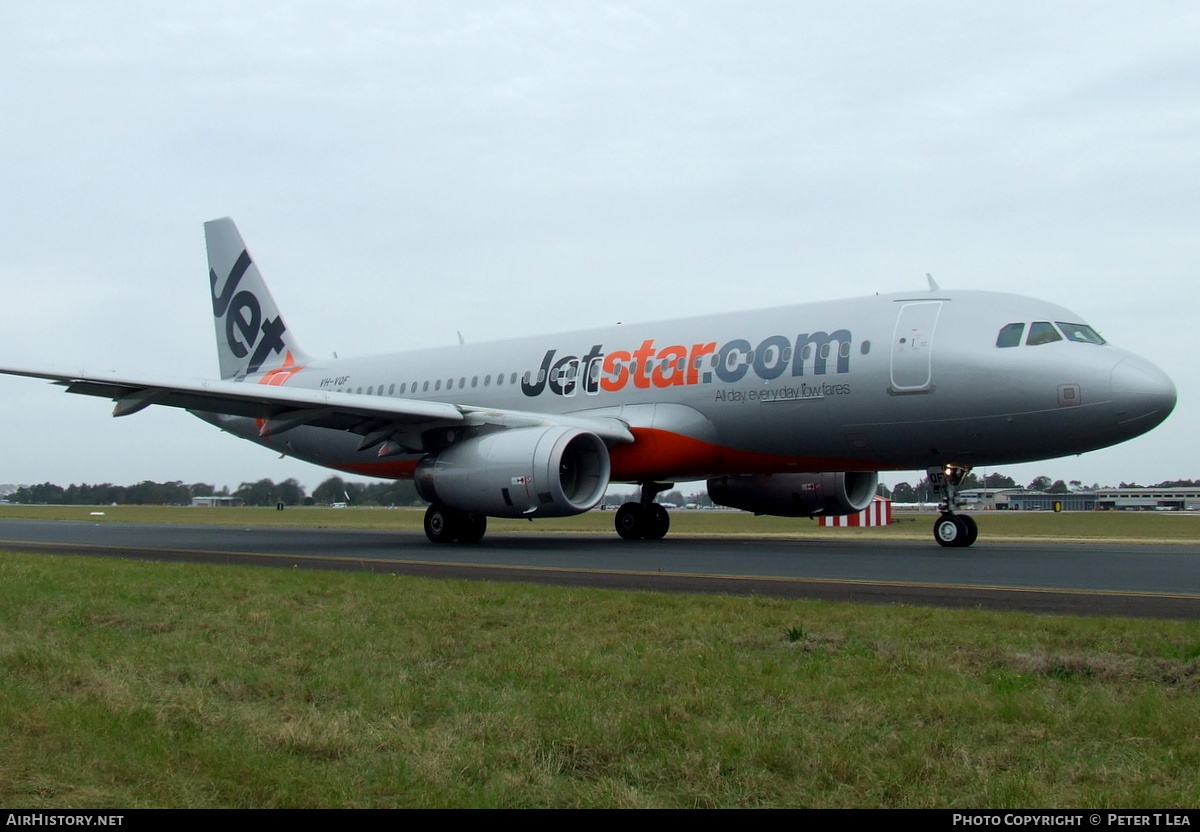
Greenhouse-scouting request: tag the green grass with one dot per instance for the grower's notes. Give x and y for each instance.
(1134, 527)
(128, 684)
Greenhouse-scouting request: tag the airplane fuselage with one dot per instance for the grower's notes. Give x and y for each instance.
(902, 381)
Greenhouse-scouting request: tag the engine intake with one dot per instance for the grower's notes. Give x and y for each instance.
(543, 472)
(796, 495)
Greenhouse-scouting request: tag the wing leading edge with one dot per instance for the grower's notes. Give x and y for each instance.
(280, 409)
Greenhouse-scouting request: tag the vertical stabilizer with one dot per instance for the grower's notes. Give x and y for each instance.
(251, 334)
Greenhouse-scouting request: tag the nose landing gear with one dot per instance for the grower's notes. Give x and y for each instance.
(955, 530)
(951, 529)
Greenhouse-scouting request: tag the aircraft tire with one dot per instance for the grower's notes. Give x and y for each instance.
(972, 529)
(441, 524)
(631, 521)
(471, 527)
(950, 530)
(658, 523)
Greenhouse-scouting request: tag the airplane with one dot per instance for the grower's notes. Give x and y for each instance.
(791, 411)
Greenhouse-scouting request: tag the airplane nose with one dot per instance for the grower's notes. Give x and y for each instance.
(1143, 395)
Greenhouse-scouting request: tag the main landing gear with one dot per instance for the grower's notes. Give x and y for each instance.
(951, 528)
(645, 519)
(446, 525)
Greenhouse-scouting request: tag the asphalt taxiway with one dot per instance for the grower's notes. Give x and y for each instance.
(1161, 581)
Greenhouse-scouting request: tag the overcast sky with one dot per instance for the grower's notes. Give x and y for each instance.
(405, 170)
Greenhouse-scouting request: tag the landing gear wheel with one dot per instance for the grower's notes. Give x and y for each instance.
(952, 529)
(658, 522)
(471, 527)
(972, 529)
(631, 521)
(949, 531)
(440, 524)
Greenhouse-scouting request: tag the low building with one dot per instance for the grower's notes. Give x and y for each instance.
(218, 502)
(987, 499)
(1149, 499)
(1103, 499)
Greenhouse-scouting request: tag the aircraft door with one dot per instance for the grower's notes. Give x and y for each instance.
(912, 347)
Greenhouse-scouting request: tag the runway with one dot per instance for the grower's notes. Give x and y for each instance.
(1097, 579)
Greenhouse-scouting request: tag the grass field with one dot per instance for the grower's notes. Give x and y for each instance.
(145, 684)
(1155, 527)
(126, 684)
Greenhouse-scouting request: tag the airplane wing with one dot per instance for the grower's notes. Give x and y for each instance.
(281, 408)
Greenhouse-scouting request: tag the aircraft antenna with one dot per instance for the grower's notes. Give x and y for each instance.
(933, 287)
(460, 338)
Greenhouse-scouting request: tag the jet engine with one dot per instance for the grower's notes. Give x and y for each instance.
(796, 495)
(542, 472)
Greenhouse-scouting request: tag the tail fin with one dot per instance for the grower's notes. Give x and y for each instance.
(250, 330)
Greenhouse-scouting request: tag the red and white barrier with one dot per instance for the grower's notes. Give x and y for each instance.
(879, 513)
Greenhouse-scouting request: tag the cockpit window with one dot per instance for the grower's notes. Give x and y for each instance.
(1042, 332)
(1010, 335)
(1080, 332)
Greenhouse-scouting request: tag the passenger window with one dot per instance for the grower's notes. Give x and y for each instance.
(1010, 335)
(865, 348)
(1042, 332)
(1080, 332)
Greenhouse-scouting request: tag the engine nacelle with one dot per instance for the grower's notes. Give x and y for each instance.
(796, 495)
(540, 472)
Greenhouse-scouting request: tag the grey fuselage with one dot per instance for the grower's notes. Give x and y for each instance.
(902, 381)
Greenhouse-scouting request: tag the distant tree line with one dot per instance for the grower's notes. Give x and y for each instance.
(261, 493)
(402, 492)
(386, 493)
(144, 493)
